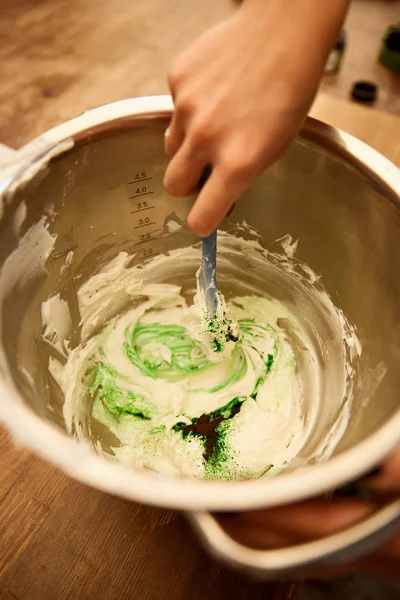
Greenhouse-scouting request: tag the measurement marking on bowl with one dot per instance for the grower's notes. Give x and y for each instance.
(141, 205)
(139, 177)
(145, 237)
(144, 223)
(133, 212)
(143, 192)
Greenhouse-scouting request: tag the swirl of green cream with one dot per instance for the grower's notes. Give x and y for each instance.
(168, 352)
(102, 383)
(163, 351)
(155, 384)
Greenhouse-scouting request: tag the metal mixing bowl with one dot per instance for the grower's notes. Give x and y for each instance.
(98, 178)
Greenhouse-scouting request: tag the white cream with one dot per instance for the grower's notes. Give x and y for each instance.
(266, 432)
(298, 412)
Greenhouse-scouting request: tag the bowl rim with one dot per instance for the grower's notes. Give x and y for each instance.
(80, 462)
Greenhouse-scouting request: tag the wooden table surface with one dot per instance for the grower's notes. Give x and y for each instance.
(58, 539)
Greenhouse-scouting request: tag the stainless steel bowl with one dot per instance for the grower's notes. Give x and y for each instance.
(98, 178)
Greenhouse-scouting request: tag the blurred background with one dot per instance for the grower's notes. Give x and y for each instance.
(365, 28)
(61, 57)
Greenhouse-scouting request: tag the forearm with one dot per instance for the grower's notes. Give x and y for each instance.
(319, 19)
(304, 30)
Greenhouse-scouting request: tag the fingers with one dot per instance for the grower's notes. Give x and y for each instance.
(298, 523)
(229, 178)
(316, 518)
(213, 203)
(303, 522)
(253, 536)
(184, 171)
(235, 162)
(174, 136)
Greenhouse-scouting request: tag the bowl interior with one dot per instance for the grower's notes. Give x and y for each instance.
(105, 196)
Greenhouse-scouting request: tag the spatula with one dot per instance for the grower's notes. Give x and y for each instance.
(208, 269)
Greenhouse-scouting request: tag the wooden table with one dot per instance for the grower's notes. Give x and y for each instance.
(58, 539)
(379, 130)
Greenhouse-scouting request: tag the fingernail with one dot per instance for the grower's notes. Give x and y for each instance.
(167, 132)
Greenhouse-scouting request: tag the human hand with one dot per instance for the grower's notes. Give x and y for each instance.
(317, 518)
(241, 93)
